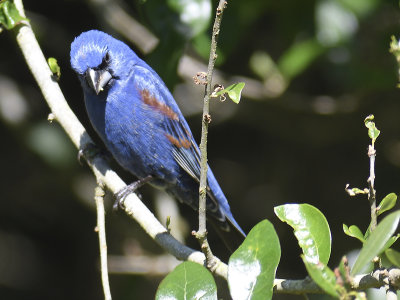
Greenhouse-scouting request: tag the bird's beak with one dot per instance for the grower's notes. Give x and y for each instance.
(98, 79)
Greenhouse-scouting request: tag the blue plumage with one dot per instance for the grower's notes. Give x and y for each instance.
(140, 123)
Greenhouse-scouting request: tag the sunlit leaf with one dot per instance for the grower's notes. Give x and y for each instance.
(188, 281)
(252, 267)
(373, 132)
(387, 203)
(323, 276)
(376, 241)
(234, 91)
(310, 228)
(354, 231)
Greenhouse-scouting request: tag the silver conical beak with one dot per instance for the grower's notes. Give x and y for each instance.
(98, 79)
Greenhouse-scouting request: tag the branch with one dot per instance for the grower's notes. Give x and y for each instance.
(378, 278)
(371, 183)
(201, 234)
(101, 229)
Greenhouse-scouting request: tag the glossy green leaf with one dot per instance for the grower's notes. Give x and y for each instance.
(9, 15)
(354, 231)
(188, 281)
(373, 132)
(234, 91)
(323, 276)
(310, 228)
(376, 241)
(252, 267)
(54, 67)
(393, 256)
(387, 203)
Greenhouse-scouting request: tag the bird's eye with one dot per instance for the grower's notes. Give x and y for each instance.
(107, 58)
(105, 63)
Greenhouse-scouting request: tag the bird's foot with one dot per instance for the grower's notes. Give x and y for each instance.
(127, 190)
(90, 150)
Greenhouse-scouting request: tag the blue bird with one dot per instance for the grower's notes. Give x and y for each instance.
(140, 123)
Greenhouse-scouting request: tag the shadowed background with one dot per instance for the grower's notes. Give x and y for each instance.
(313, 71)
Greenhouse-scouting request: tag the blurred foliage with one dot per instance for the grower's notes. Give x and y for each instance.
(329, 66)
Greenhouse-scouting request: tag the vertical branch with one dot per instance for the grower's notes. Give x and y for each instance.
(202, 232)
(371, 183)
(101, 229)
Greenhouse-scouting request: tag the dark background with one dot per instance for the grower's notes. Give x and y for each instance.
(320, 68)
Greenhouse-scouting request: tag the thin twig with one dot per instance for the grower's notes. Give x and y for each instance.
(371, 183)
(201, 234)
(101, 229)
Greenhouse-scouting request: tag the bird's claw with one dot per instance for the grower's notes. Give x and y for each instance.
(121, 195)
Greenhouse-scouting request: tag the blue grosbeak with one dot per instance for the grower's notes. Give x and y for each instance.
(140, 123)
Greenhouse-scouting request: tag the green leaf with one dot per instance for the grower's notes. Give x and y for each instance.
(310, 228)
(354, 231)
(234, 92)
(323, 276)
(373, 132)
(252, 267)
(188, 281)
(9, 15)
(54, 67)
(376, 241)
(390, 242)
(387, 203)
(393, 256)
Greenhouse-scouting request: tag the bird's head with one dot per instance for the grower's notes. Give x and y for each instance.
(99, 60)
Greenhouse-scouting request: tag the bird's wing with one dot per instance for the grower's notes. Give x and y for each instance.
(186, 152)
(155, 94)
